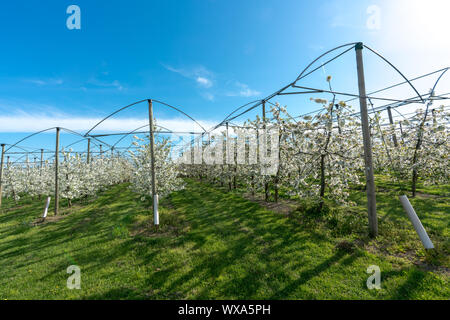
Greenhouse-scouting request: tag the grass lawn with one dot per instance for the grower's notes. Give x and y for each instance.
(214, 244)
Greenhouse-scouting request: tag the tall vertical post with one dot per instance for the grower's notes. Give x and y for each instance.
(266, 184)
(40, 166)
(57, 172)
(264, 113)
(152, 155)
(370, 181)
(42, 159)
(401, 132)
(229, 181)
(88, 157)
(391, 121)
(1, 173)
(101, 151)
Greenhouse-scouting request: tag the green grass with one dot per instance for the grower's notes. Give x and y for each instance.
(212, 244)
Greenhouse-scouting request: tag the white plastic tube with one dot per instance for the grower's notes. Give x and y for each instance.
(46, 208)
(155, 210)
(416, 223)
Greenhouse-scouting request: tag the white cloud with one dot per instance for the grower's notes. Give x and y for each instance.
(34, 122)
(243, 90)
(247, 92)
(172, 69)
(208, 96)
(205, 79)
(94, 82)
(204, 82)
(202, 77)
(199, 74)
(45, 82)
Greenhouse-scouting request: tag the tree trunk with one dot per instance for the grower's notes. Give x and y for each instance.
(276, 188)
(415, 174)
(266, 191)
(322, 181)
(253, 185)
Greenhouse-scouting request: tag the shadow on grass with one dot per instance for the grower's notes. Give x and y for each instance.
(232, 249)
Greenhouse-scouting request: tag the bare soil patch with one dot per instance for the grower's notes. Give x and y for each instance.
(283, 206)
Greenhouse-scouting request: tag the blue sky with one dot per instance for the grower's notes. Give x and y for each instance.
(204, 56)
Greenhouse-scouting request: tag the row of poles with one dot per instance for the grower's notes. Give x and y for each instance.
(56, 154)
(368, 157)
(88, 157)
(368, 161)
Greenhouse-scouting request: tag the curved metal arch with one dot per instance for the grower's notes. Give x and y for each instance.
(174, 146)
(137, 102)
(78, 141)
(401, 83)
(322, 55)
(29, 136)
(141, 127)
(115, 112)
(21, 148)
(325, 63)
(396, 69)
(15, 145)
(259, 102)
(239, 108)
(436, 83)
(182, 112)
(127, 134)
(79, 134)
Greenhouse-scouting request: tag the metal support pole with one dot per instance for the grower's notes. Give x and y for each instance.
(401, 132)
(370, 181)
(57, 172)
(40, 167)
(88, 157)
(101, 151)
(42, 159)
(264, 113)
(152, 155)
(1, 173)
(229, 181)
(266, 184)
(391, 121)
